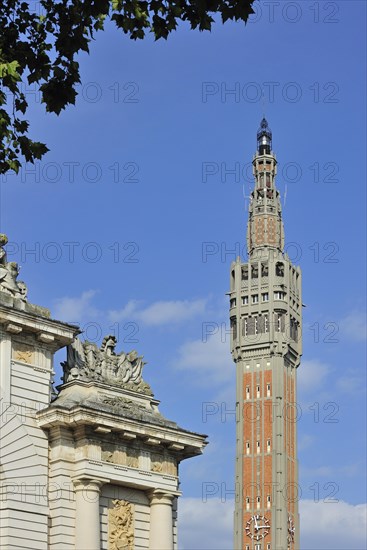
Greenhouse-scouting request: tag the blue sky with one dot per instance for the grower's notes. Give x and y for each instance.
(138, 209)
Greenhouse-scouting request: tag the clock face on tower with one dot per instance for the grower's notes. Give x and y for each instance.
(291, 529)
(257, 527)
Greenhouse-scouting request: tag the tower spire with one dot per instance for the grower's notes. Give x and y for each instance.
(265, 302)
(264, 137)
(265, 226)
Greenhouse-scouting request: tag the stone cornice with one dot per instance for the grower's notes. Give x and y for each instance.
(182, 443)
(47, 331)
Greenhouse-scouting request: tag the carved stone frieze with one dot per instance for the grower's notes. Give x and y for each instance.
(163, 464)
(156, 462)
(132, 458)
(114, 455)
(121, 526)
(171, 467)
(107, 456)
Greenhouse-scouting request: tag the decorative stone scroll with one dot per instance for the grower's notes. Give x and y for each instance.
(121, 526)
(85, 361)
(9, 272)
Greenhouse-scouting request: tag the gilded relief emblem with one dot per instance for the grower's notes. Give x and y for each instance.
(121, 526)
(23, 353)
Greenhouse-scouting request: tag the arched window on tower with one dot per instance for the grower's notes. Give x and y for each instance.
(234, 327)
(264, 270)
(232, 279)
(254, 271)
(244, 327)
(293, 329)
(279, 322)
(266, 323)
(261, 324)
(250, 326)
(279, 269)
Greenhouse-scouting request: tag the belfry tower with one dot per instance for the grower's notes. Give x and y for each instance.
(265, 315)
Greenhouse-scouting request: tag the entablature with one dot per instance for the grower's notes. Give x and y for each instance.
(183, 444)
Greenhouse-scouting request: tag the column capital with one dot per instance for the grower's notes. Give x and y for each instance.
(90, 483)
(161, 496)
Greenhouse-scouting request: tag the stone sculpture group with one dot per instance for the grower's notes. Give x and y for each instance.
(9, 272)
(85, 361)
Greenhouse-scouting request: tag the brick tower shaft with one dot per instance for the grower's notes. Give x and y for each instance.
(266, 323)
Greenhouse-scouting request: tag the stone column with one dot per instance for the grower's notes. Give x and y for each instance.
(87, 518)
(161, 526)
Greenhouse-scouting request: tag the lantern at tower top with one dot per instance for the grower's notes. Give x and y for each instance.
(264, 136)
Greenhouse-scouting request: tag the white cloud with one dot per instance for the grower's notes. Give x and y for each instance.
(316, 471)
(354, 326)
(124, 313)
(205, 525)
(324, 525)
(305, 441)
(333, 525)
(311, 375)
(161, 312)
(74, 310)
(211, 465)
(156, 314)
(334, 472)
(353, 382)
(209, 359)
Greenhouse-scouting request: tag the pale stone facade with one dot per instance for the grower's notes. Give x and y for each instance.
(94, 467)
